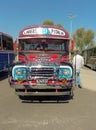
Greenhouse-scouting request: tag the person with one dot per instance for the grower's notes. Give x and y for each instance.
(78, 63)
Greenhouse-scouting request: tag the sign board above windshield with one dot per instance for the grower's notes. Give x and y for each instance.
(44, 31)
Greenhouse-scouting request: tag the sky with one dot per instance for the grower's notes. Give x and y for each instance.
(17, 14)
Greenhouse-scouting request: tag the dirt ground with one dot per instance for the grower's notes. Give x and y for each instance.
(76, 114)
(88, 78)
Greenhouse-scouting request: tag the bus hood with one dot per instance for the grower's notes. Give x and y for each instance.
(44, 59)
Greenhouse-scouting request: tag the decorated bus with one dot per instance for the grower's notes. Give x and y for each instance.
(7, 55)
(43, 67)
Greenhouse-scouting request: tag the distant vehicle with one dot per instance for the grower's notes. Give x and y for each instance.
(90, 57)
(7, 55)
(44, 67)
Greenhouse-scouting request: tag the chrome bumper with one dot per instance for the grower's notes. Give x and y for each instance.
(41, 90)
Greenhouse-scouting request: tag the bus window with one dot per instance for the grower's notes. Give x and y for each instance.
(0, 44)
(4, 45)
(7, 44)
(20, 47)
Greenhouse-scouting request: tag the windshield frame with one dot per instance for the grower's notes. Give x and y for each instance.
(44, 45)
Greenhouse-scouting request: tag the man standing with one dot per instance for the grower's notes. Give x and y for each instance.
(78, 62)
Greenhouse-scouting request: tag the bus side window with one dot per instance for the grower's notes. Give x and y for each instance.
(0, 45)
(4, 44)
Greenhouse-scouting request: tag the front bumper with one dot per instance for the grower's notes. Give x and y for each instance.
(41, 90)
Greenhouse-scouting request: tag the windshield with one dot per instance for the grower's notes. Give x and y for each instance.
(43, 44)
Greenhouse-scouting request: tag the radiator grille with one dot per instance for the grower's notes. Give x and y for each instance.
(42, 72)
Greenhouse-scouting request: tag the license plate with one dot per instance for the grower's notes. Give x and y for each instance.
(42, 81)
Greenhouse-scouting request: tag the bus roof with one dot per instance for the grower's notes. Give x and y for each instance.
(5, 34)
(43, 31)
(87, 49)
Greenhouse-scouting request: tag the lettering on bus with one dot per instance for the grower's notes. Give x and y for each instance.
(44, 31)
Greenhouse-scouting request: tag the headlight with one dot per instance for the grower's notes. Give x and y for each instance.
(19, 72)
(64, 72)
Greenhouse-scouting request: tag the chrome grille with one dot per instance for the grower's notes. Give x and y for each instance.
(42, 72)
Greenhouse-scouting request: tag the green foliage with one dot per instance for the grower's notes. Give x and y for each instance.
(50, 22)
(89, 36)
(59, 24)
(83, 38)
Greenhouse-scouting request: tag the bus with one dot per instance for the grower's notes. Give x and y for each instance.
(90, 57)
(7, 55)
(43, 67)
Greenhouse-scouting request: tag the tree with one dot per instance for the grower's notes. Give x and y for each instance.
(50, 22)
(89, 36)
(83, 38)
(60, 25)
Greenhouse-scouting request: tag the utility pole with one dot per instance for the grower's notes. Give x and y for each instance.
(71, 17)
(71, 25)
(71, 38)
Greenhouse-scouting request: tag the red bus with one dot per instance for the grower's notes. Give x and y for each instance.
(43, 67)
(7, 55)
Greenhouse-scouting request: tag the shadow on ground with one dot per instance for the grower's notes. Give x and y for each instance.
(46, 99)
(3, 75)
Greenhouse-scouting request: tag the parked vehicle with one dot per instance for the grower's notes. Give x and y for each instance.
(7, 55)
(90, 57)
(43, 67)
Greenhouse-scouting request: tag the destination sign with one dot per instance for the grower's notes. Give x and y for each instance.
(44, 31)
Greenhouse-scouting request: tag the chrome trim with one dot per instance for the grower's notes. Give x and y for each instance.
(42, 71)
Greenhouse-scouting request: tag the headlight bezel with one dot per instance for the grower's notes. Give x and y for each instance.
(64, 72)
(19, 72)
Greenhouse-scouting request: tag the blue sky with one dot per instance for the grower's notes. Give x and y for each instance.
(17, 14)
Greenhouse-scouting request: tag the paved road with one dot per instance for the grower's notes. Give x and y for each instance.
(77, 114)
(88, 78)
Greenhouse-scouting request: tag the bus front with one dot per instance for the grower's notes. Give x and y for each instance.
(44, 68)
